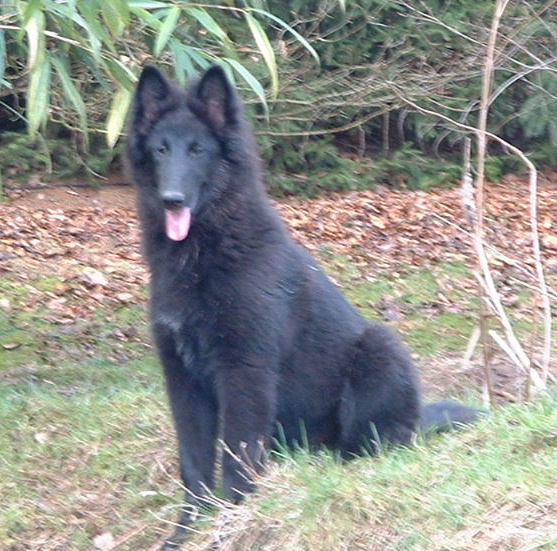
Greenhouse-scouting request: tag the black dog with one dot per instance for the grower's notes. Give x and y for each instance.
(251, 333)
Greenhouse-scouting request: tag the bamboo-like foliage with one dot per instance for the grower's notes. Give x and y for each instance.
(77, 60)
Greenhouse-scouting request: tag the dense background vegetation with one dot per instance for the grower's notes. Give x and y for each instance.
(333, 115)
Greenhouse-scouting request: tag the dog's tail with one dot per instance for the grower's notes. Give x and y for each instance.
(447, 415)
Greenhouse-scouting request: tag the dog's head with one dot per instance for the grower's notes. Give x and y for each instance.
(182, 141)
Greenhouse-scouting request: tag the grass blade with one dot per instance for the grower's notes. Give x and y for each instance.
(291, 30)
(201, 58)
(3, 57)
(96, 32)
(147, 18)
(38, 94)
(120, 73)
(30, 10)
(34, 29)
(183, 65)
(251, 81)
(146, 5)
(208, 23)
(116, 15)
(71, 93)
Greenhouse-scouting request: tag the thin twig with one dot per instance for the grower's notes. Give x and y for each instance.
(473, 210)
(533, 197)
(487, 281)
(483, 265)
(484, 108)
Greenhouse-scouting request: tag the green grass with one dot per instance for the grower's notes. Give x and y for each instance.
(446, 331)
(85, 434)
(430, 308)
(75, 438)
(485, 488)
(87, 445)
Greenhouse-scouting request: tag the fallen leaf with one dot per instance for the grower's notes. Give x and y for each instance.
(11, 345)
(378, 222)
(104, 541)
(550, 241)
(94, 277)
(125, 297)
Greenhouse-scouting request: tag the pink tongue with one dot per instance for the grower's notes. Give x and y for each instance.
(178, 223)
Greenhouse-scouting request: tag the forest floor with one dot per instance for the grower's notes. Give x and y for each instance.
(78, 249)
(86, 444)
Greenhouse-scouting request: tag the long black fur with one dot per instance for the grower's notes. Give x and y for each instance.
(252, 335)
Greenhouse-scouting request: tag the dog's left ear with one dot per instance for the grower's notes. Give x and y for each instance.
(218, 97)
(154, 96)
(152, 92)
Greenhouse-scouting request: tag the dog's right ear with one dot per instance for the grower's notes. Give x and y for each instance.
(214, 100)
(152, 97)
(216, 94)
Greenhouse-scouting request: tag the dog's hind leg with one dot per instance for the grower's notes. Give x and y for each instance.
(380, 402)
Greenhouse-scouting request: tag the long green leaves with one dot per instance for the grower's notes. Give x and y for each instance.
(117, 115)
(265, 48)
(38, 66)
(71, 92)
(291, 30)
(166, 30)
(74, 49)
(251, 81)
(38, 94)
(116, 15)
(3, 53)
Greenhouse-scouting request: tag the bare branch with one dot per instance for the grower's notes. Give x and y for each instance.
(490, 297)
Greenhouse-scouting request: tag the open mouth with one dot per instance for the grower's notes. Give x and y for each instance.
(178, 223)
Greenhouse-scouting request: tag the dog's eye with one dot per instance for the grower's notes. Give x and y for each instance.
(194, 149)
(162, 149)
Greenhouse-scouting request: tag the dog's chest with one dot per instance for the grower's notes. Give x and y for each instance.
(188, 316)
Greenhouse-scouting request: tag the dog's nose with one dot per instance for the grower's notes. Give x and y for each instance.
(173, 200)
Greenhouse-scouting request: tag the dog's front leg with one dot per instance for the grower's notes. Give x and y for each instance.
(195, 414)
(196, 420)
(247, 398)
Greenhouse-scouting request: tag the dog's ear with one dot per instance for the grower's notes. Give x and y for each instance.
(151, 97)
(218, 97)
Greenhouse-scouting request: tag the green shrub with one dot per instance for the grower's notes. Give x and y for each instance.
(72, 65)
(380, 51)
(409, 166)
